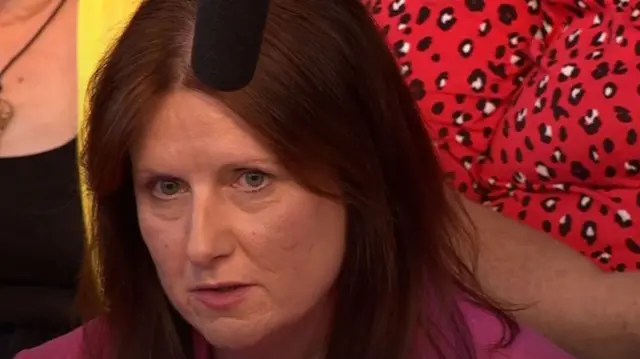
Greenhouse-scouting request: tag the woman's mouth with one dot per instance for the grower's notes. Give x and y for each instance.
(222, 296)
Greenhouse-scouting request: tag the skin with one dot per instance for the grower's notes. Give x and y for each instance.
(41, 85)
(43, 93)
(590, 313)
(214, 206)
(44, 96)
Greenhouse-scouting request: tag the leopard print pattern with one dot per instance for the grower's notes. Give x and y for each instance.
(534, 107)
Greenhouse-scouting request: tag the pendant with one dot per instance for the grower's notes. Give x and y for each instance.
(6, 114)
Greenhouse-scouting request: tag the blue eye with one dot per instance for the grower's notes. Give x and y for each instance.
(253, 180)
(165, 188)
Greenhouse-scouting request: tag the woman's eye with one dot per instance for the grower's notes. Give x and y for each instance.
(252, 181)
(167, 188)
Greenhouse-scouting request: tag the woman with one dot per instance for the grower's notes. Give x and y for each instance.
(48, 50)
(505, 245)
(529, 105)
(300, 217)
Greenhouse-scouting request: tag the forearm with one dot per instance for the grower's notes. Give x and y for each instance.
(593, 314)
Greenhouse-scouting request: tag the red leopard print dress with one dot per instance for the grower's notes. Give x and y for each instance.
(534, 106)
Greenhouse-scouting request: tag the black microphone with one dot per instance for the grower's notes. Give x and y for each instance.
(226, 43)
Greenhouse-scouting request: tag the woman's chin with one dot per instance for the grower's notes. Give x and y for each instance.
(232, 334)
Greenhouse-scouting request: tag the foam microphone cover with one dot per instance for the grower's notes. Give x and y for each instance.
(227, 39)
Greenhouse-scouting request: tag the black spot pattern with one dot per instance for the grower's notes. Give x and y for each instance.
(529, 103)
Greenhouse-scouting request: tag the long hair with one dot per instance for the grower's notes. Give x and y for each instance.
(327, 96)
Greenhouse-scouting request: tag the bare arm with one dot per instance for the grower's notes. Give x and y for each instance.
(592, 314)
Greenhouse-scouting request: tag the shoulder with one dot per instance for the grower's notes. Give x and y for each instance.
(487, 330)
(68, 346)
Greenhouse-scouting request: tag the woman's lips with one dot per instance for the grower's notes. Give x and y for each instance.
(222, 296)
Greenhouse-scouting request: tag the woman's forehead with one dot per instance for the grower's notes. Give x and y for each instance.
(188, 125)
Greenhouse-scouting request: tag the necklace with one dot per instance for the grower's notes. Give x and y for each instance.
(6, 108)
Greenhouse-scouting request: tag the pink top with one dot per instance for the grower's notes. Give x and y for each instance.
(485, 328)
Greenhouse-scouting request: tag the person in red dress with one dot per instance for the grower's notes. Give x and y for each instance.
(533, 107)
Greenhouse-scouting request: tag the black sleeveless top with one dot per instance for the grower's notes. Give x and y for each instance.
(41, 238)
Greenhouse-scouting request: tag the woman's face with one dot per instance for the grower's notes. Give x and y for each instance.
(241, 249)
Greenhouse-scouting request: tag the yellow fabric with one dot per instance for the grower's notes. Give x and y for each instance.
(99, 24)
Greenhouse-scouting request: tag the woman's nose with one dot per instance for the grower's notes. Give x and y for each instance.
(210, 234)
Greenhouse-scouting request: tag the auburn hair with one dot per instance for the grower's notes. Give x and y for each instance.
(327, 95)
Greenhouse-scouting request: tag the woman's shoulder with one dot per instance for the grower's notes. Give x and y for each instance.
(68, 346)
(487, 330)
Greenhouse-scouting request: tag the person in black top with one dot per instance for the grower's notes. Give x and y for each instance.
(41, 226)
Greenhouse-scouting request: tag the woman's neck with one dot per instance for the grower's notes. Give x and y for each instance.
(15, 11)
